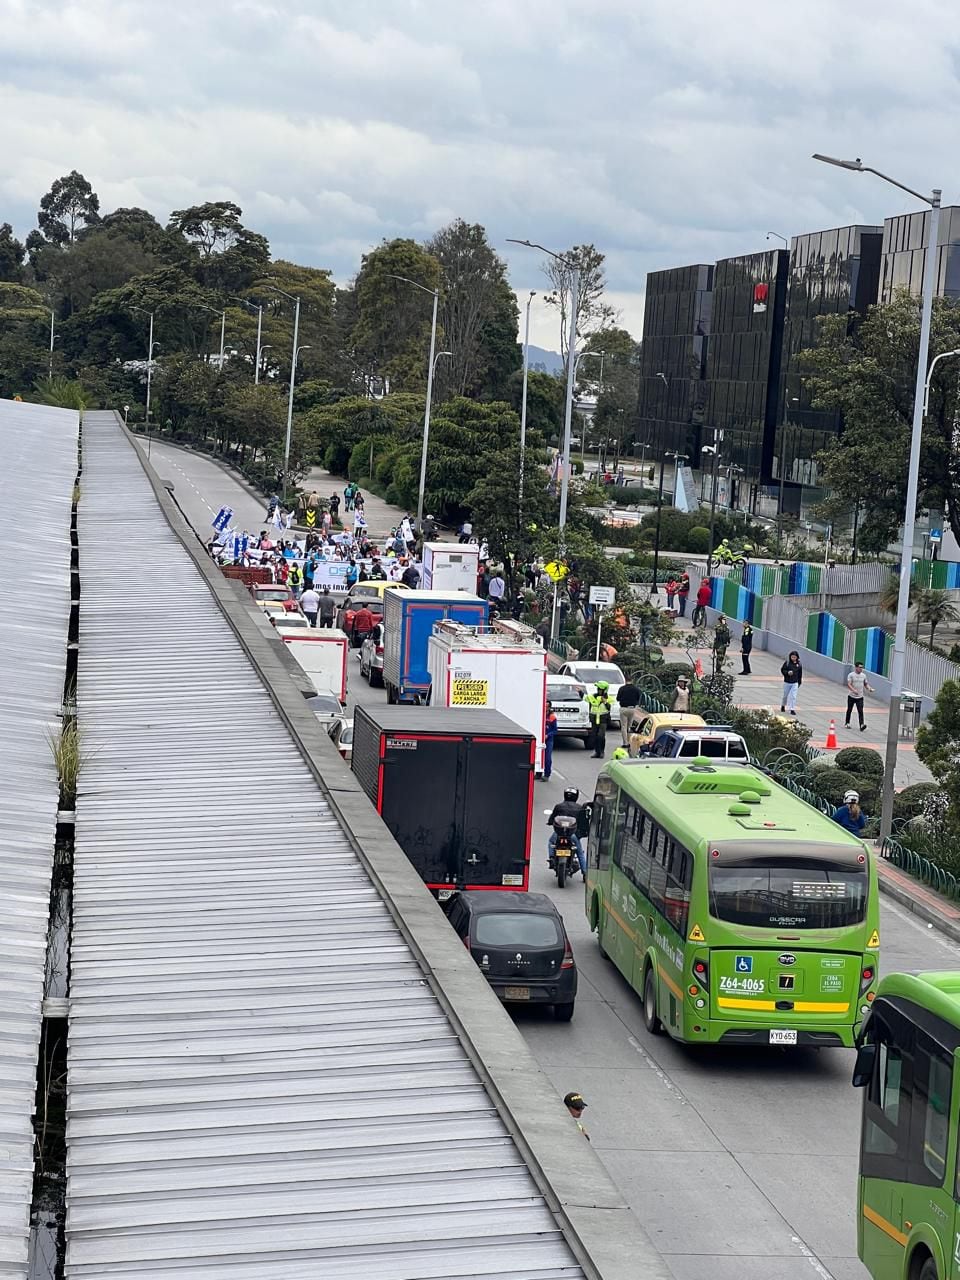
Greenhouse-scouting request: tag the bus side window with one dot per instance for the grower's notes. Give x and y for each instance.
(886, 1121)
(598, 839)
(660, 852)
(679, 880)
(628, 845)
(933, 1077)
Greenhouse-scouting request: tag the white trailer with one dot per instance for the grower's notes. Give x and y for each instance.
(486, 667)
(450, 566)
(322, 653)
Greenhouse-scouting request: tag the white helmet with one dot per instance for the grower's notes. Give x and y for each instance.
(851, 797)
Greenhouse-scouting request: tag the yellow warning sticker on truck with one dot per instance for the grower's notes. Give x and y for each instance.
(696, 934)
(469, 693)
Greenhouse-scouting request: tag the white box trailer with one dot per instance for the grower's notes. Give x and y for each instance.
(322, 653)
(484, 667)
(450, 566)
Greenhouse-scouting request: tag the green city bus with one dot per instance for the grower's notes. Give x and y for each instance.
(908, 1220)
(740, 913)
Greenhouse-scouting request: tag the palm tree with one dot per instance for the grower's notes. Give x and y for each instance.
(935, 608)
(890, 594)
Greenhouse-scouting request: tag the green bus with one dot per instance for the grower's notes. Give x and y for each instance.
(908, 1221)
(740, 913)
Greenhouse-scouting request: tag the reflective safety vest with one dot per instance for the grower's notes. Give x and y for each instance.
(599, 707)
(295, 575)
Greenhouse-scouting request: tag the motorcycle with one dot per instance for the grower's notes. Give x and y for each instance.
(565, 862)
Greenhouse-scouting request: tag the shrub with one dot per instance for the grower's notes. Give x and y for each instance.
(628, 495)
(698, 540)
(830, 784)
(719, 687)
(869, 791)
(763, 731)
(861, 760)
(909, 802)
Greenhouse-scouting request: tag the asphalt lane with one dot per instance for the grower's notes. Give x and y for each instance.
(741, 1165)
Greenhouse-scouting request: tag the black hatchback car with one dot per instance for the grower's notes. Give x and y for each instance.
(519, 942)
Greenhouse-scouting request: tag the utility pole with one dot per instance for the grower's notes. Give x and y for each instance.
(677, 458)
(523, 409)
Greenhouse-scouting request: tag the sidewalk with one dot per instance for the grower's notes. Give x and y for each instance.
(820, 701)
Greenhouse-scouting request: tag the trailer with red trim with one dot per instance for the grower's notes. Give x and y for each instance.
(455, 787)
(503, 666)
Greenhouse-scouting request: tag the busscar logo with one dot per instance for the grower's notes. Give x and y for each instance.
(786, 958)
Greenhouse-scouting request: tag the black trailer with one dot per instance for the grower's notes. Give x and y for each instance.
(455, 787)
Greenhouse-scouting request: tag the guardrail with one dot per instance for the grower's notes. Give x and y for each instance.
(921, 867)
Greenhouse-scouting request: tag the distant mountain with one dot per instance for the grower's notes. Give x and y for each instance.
(545, 361)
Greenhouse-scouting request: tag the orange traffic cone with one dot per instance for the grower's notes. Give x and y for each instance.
(831, 743)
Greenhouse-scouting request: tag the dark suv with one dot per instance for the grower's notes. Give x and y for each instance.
(519, 942)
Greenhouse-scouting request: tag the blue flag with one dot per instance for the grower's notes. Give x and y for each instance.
(222, 519)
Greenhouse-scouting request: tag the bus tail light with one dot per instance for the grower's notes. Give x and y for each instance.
(867, 976)
(567, 962)
(701, 972)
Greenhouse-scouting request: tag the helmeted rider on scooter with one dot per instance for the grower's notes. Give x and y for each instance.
(569, 807)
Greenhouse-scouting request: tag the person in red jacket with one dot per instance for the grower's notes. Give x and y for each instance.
(363, 624)
(703, 599)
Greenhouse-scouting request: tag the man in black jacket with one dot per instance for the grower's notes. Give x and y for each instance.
(628, 696)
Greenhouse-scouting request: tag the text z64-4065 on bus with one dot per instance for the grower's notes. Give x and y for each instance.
(739, 913)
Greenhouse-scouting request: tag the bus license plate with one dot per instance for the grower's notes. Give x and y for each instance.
(783, 1037)
(516, 993)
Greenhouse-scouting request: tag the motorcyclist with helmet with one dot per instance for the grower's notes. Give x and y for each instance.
(568, 807)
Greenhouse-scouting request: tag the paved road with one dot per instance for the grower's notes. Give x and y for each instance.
(740, 1165)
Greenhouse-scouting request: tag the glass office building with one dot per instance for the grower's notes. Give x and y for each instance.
(904, 238)
(833, 272)
(673, 361)
(743, 369)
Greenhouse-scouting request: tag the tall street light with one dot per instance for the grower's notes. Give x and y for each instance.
(293, 379)
(150, 346)
(223, 326)
(775, 235)
(913, 477)
(53, 338)
(523, 408)
(585, 355)
(574, 268)
(431, 364)
(715, 450)
(259, 310)
(677, 459)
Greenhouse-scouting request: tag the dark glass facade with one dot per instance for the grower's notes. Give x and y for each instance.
(676, 337)
(904, 238)
(834, 272)
(743, 369)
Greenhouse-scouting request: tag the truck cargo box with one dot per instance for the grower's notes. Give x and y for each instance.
(455, 787)
(408, 618)
(451, 566)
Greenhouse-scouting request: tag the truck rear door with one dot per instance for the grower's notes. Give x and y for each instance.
(417, 802)
(497, 790)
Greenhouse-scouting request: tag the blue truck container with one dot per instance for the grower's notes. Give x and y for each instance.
(408, 618)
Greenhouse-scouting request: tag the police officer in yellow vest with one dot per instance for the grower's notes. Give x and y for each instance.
(599, 707)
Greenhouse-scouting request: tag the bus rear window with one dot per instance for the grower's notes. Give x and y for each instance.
(776, 894)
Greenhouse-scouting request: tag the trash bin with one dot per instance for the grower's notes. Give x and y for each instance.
(909, 714)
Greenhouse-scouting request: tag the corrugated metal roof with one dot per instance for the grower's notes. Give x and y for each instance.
(261, 1081)
(38, 448)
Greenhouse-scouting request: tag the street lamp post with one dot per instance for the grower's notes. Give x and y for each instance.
(715, 450)
(431, 365)
(523, 408)
(585, 355)
(150, 346)
(259, 310)
(53, 338)
(574, 269)
(913, 478)
(677, 459)
(777, 236)
(223, 326)
(293, 378)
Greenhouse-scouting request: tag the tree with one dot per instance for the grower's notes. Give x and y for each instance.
(593, 314)
(889, 600)
(938, 746)
(12, 253)
(391, 338)
(545, 399)
(252, 417)
(617, 396)
(936, 608)
(474, 280)
(229, 256)
(69, 205)
(866, 372)
(494, 503)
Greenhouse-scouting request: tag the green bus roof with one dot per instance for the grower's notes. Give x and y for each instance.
(937, 991)
(725, 801)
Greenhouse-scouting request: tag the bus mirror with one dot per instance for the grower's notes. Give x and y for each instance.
(863, 1068)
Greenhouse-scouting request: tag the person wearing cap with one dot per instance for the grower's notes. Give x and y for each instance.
(575, 1104)
(850, 815)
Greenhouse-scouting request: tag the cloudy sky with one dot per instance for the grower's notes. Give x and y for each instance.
(664, 131)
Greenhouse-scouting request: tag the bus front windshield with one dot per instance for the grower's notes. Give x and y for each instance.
(777, 893)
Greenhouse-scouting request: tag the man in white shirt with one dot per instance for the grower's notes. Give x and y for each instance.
(310, 604)
(496, 588)
(857, 686)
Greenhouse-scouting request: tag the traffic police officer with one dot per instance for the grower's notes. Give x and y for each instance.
(599, 706)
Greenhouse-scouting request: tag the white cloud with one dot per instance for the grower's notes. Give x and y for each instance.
(663, 133)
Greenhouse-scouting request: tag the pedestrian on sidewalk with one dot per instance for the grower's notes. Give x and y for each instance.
(681, 695)
(792, 672)
(850, 815)
(857, 686)
(746, 648)
(671, 590)
(704, 592)
(683, 591)
(721, 642)
(628, 696)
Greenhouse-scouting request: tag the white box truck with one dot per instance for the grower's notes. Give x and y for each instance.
(450, 566)
(322, 653)
(485, 667)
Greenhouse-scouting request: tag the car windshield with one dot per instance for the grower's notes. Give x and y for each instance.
(563, 693)
(273, 593)
(778, 894)
(612, 675)
(515, 929)
(324, 706)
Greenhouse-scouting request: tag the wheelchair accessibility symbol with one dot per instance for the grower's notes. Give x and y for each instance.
(744, 964)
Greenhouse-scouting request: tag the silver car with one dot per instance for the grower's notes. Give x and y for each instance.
(371, 659)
